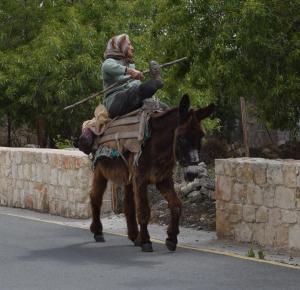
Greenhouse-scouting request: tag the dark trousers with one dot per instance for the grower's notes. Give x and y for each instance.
(132, 99)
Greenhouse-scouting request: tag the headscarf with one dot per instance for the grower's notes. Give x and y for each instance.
(117, 48)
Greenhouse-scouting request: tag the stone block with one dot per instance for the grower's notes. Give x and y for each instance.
(294, 237)
(46, 172)
(53, 176)
(27, 172)
(235, 213)
(288, 216)
(239, 194)
(18, 157)
(254, 194)
(223, 187)
(259, 170)
(274, 216)
(39, 172)
(282, 237)
(229, 167)
(243, 172)
(82, 210)
(269, 195)
(297, 197)
(285, 197)
(223, 205)
(262, 215)
(243, 232)
(45, 158)
(270, 235)
(20, 172)
(223, 226)
(259, 234)
(289, 175)
(249, 213)
(274, 173)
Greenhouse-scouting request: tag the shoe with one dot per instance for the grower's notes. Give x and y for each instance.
(154, 69)
(86, 140)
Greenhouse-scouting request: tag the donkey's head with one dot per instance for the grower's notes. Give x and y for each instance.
(189, 133)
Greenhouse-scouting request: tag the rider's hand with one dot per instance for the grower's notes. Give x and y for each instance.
(134, 73)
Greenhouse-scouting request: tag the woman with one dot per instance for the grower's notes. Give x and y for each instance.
(118, 65)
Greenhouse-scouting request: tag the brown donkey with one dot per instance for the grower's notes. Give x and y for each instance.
(175, 135)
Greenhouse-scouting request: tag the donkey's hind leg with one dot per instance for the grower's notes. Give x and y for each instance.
(96, 195)
(143, 214)
(166, 188)
(130, 213)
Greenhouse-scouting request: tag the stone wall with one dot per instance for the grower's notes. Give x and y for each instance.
(47, 180)
(258, 200)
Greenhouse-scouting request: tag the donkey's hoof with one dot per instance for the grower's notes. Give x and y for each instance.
(147, 247)
(99, 238)
(171, 245)
(137, 243)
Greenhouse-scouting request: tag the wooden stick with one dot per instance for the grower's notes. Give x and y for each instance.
(118, 83)
(244, 126)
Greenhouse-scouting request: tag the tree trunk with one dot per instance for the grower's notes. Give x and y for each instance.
(244, 126)
(9, 130)
(40, 128)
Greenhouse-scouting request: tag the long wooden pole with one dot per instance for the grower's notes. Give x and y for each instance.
(244, 126)
(116, 84)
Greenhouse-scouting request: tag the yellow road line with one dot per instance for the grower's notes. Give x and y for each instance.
(183, 246)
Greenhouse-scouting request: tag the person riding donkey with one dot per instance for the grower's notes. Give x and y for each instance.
(125, 98)
(118, 65)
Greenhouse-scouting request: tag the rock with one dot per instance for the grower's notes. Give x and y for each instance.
(194, 194)
(191, 186)
(206, 182)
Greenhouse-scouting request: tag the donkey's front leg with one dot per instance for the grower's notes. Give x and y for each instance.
(130, 214)
(96, 195)
(166, 188)
(143, 213)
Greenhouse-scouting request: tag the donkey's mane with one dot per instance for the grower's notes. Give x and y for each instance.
(164, 113)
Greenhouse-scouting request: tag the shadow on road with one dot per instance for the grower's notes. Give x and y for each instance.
(97, 253)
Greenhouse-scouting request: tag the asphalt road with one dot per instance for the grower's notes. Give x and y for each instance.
(37, 255)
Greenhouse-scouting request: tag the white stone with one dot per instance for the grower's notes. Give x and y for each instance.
(270, 235)
(274, 173)
(53, 176)
(243, 232)
(27, 172)
(249, 213)
(274, 216)
(259, 233)
(261, 215)
(254, 194)
(269, 194)
(288, 216)
(285, 197)
(219, 168)
(223, 188)
(239, 193)
(289, 175)
(294, 237)
(20, 172)
(260, 172)
(235, 213)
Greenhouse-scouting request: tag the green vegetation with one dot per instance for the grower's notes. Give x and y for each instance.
(261, 254)
(51, 52)
(251, 253)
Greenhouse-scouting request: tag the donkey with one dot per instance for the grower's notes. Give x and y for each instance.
(175, 135)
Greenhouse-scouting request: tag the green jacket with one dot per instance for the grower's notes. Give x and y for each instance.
(112, 71)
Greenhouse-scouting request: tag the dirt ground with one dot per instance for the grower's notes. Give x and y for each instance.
(198, 212)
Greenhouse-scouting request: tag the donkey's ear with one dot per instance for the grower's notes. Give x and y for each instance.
(205, 112)
(184, 107)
